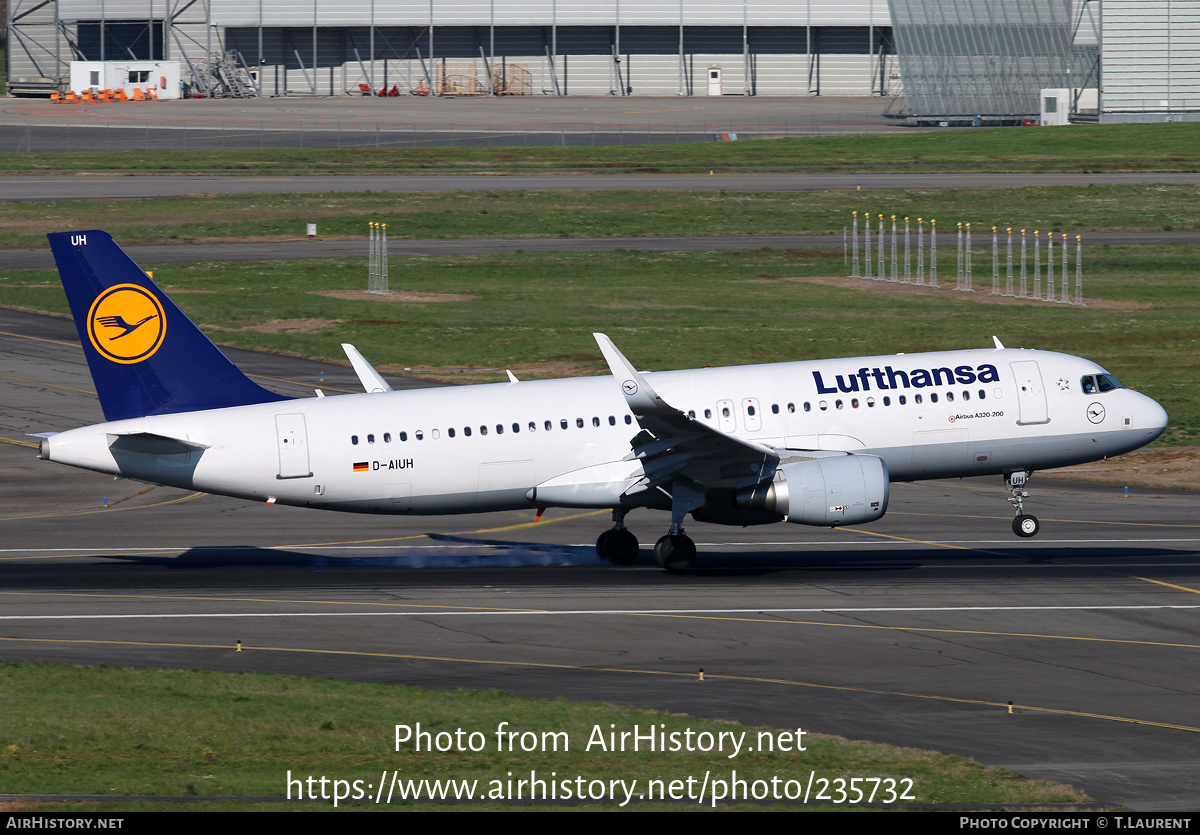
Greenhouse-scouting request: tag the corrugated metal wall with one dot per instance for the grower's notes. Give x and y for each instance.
(649, 58)
(545, 12)
(1151, 56)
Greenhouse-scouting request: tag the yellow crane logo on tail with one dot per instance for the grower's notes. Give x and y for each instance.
(126, 324)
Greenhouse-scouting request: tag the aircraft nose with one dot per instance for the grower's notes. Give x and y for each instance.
(1154, 416)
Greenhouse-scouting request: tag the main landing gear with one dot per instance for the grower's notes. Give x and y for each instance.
(618, 545)
(675, 552)
(1023, 525)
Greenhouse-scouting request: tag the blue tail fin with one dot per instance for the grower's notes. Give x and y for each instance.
(146, 357)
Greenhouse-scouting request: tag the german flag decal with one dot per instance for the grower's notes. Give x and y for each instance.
(361, 467)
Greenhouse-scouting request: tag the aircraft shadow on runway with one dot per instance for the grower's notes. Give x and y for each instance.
(474, 552)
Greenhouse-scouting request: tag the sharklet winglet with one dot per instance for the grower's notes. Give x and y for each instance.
(371, 380)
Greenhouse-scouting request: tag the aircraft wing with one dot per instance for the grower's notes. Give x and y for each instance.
(673, 446)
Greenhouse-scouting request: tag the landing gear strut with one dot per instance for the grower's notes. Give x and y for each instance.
(1023, 525)
(676, 551)
(618, 544)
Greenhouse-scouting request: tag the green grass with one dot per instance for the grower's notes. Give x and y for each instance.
(535, 313)
(483, 214)
(1160, 147)
(112, 731)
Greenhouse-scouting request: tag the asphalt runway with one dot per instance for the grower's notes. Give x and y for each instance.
(917, 630)
(422, 122)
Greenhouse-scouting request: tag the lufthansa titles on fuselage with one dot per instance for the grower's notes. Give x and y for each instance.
(888, 378)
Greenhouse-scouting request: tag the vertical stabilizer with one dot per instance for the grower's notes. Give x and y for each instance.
(145, 355)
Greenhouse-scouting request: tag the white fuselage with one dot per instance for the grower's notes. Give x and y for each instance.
(480, 448)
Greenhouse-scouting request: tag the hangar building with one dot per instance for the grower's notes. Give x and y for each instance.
(956, 57)
(473, 47)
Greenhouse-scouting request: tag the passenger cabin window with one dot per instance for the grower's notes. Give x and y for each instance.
(354, 440)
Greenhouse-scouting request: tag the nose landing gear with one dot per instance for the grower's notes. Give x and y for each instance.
(1023, 525)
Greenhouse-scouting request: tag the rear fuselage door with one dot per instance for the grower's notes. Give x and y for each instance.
(292, 438)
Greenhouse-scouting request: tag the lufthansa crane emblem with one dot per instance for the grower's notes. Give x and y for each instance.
(629, 387)
(126, 324)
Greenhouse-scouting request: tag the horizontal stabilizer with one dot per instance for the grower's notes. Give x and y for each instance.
(149, 443)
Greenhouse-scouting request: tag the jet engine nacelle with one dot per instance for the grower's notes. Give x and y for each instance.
(844, 490)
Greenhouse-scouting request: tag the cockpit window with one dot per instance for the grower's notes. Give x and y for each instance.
(1099, 383)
